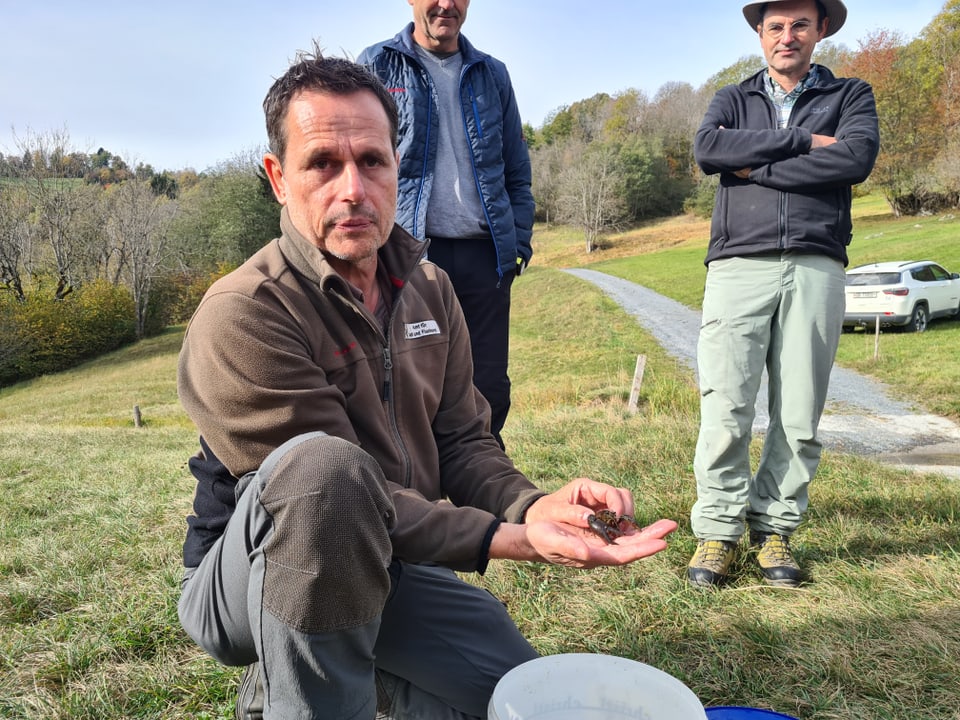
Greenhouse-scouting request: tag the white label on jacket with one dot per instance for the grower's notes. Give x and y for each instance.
(421, 329)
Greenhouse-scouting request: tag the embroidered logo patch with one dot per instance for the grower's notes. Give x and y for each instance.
(421, 329)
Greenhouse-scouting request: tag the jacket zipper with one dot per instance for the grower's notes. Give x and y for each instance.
(784, 200)
(388, 379)
(387, 373)
(423, 170)
(473, 167)
(388, 397)
(781, 199)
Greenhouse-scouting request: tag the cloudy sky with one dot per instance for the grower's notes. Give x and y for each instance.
(179, 83)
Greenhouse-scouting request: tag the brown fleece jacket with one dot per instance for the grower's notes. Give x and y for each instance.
(281, 347)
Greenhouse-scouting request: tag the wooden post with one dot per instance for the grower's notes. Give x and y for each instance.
(637, 381)
(137, 418)
(876, 340)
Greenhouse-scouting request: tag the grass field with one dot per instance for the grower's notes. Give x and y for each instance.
(93, 509)
(668, 257)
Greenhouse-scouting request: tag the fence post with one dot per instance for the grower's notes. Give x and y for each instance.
(637, 380)
(876, 340)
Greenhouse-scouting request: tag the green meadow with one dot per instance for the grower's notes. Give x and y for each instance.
(93, 507)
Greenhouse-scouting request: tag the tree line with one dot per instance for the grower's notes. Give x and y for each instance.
(95, 253)
(608, 162)
(74, 223)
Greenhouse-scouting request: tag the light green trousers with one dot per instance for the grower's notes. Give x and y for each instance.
(783, 312)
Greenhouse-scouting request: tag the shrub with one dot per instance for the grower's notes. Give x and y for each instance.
(106, 316)
(162, 306)
(701, 201)
(44, 335)
(190, 290)
(12, 346)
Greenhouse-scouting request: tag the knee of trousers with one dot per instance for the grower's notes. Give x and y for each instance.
(325, 563)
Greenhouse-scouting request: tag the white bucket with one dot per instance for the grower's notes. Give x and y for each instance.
(583, 686)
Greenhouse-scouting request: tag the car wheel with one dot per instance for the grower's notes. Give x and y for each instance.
(918, 321)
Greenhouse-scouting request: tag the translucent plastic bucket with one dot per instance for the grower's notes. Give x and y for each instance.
(745, 713)
(583, 686)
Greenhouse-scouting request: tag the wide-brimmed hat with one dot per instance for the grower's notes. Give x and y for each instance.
(836, 11)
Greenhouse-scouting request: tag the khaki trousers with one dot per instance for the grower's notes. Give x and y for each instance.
(782, 312)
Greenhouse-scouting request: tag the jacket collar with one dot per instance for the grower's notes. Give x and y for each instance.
(403, 41)
(400, 255)
(825, 79)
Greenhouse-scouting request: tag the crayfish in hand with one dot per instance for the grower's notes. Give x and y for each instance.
(608, 525)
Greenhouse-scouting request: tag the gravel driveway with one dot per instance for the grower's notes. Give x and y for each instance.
(861, 416)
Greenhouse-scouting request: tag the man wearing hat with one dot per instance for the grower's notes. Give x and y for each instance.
(788, 144)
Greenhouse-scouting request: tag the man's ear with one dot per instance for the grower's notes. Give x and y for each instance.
(271, 163)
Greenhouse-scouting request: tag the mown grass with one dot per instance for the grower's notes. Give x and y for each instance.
(668, 257)
(93, 509)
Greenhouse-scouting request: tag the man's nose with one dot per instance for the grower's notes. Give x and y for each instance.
(352, 188)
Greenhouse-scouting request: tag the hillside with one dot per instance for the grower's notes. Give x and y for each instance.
(92, 523)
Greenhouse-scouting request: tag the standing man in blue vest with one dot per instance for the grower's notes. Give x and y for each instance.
(464, 177)
(788, 144)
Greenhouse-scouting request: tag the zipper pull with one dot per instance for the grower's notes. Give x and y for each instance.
(388, 372)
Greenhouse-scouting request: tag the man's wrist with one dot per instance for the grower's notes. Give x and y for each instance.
(509, 542)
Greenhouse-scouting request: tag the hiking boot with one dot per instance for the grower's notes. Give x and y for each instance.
(775, 559)
(709, 565)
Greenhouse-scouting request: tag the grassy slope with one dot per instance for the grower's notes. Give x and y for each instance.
(92, 520)
(668, 257)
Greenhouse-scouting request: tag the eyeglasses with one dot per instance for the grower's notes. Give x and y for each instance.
(798, 29)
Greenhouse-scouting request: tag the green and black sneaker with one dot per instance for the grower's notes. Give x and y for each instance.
(775, 559)
(710, 563)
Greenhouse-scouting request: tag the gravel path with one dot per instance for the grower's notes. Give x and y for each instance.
(861, 417)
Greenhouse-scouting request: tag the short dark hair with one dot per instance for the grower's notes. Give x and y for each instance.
(310, 70)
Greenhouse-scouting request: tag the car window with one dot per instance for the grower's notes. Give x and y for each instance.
(924, 274)
(939, 273)
(886, 278)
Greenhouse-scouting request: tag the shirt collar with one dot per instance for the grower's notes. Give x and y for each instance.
(806, 82)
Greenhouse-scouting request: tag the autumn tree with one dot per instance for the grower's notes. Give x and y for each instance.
(734, 74)
(651, 185)
(61, 205)
(546, 162)
(671, 121)
(624, 115)
(227, 215)
(14, 237)
(557, 127)
(941, 53)
(832, 55)
(591, 190)
(909, 109)
(138, 226)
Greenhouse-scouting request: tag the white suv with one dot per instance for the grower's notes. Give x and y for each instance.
(901, 294)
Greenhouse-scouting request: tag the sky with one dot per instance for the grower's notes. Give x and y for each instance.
(179, 84)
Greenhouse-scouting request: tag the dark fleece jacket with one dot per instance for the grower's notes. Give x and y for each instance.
(795, 198)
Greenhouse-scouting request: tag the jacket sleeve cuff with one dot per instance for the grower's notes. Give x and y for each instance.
(523, 511)
(484, 559)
